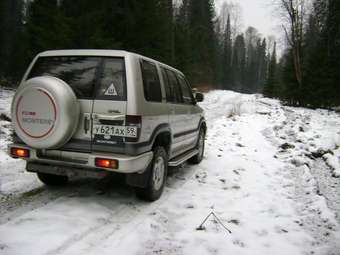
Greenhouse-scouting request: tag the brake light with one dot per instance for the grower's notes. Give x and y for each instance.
(106, 163)
(20, 153)
(133, 121)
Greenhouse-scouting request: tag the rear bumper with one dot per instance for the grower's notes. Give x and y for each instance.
(126, 164)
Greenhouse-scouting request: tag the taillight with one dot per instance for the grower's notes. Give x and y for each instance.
(106, 163)
(133, 121)
(20, 153)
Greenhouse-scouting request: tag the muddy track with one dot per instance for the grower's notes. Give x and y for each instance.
(328, 185)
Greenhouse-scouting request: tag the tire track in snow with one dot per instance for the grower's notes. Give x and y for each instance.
(121, 222)
(15, 206)
(94, 229)
(310, 203)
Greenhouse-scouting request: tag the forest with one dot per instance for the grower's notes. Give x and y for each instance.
(192, 35)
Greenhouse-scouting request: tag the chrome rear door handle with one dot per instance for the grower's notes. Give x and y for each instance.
(108, 117)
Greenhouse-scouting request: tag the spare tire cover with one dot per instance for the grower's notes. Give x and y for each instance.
(45, 112)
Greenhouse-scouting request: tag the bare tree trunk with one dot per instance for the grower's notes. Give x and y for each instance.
(297, 66)
(295, 10)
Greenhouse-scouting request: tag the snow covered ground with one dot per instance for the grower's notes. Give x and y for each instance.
(13, 178)
(269, 175)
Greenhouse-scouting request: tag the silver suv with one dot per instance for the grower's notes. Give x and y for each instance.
(93, 112)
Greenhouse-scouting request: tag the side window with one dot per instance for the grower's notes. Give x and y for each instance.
(112, 83)
(186, 90)
(170, 97)
(174, 90)
(151, 83)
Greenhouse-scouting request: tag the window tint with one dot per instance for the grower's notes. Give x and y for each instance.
(168, 92)
(112, 80)
(173, 90)
(81, 73)
(77, 72)
(186, 90)
(151, 83)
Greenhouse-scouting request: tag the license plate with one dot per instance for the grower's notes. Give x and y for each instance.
(115, 130)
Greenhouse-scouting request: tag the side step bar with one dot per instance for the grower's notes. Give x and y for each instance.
(182, 158)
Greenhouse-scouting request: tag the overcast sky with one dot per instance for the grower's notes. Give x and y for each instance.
(257, 13)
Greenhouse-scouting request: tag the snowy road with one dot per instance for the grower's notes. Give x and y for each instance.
(268, 175)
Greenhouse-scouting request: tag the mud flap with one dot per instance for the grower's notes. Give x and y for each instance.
(139, 180)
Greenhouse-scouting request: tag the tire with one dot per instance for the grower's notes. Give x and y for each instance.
(158, 171)
(200, 147)
(45, 112)
(52, 179)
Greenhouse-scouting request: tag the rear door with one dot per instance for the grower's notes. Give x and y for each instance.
(179, 112)
(80, 73)
(191, 115)
(109, 107)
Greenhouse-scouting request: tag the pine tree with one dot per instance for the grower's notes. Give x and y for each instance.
(182, 39)
(270, 88)
(226, 57)
(322, 56)
(290, 92)
(252, 42)
(315, 65)
(11, 38)
(262, 64)
(202, 42)
(47, 27)
(332, 35)
(153, 41)
(239, 63)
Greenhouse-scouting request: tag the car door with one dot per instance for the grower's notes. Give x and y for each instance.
(191, 116)
(109, 106)
(178, 112)
(79, 72)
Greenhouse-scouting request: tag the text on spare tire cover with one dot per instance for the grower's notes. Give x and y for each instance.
(36, 113)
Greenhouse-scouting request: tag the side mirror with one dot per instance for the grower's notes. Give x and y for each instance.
(199, 97)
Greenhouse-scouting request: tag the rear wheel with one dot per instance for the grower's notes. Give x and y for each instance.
(52, 179)
(200, 147)
(158, 171)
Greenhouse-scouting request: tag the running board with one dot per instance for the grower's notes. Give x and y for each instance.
(182, 158)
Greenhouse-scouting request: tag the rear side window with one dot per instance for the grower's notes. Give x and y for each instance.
(151, 83)
(84, 74)
(187, 96)
(168, 91)
(173, 92)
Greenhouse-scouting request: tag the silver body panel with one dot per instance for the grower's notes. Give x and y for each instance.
(181, 120)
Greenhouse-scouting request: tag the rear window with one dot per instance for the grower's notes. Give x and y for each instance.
(87, 76)
(112, 80)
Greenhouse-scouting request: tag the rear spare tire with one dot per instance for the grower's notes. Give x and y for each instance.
(45, 112)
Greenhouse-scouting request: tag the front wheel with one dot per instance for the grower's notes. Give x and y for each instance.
(158, 171)
(200, 147)
(52, 179)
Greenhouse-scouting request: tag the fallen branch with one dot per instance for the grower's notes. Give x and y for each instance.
(201, 227)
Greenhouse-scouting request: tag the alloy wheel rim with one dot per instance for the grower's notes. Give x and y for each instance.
(201, 146)
(158, 173)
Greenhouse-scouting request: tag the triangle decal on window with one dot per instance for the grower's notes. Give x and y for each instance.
(111, 91)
